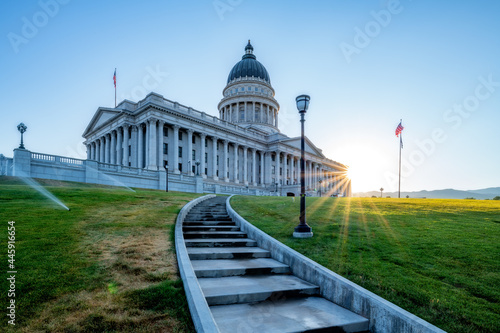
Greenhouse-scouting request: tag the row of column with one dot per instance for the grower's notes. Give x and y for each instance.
(147, 146)
(250, 112)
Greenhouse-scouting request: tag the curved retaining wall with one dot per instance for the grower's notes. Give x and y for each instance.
(200, 312)
(384, 316)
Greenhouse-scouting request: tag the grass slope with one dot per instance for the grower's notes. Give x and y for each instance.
(438, 259)
(106, 265)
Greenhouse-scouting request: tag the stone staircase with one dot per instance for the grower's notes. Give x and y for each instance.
(248, 291)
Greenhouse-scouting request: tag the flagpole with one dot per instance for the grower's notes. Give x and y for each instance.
(114, 78)
(400, 145)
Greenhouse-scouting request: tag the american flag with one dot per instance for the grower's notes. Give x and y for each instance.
(114, 78)
(399, 129)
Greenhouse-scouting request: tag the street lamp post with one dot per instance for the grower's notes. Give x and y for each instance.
(166, 170)
(197, 167)
(302, 230)
(22, 128)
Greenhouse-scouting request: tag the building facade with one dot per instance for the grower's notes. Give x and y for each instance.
(242, 147)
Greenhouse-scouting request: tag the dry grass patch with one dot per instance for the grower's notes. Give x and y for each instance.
(108, 265)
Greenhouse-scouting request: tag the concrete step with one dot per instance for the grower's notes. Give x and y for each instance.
(200, 253)
(209, 210)
(247, 289)
(207, 218)
(219, 242)
(211, 228)
(311, 314)
(232, 267)
(214, 234)
(207, 223)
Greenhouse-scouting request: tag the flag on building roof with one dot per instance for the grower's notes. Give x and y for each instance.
(114, 78)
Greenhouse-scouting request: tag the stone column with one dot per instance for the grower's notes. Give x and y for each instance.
(134, 142)
(267, 169)
(285, 169)
(254, 165)
(225, 168)
(261, 174)
(125, 155)
(108, 146)
(119, 146)
(278, 166)
(175, 158)
(203, 138)
(245, 165)
(253, 113)
(189, 156)
(235, 167)
(214, 158)
(159, 139)
(112, 149)
(92, 152)
(140, 148)
(89, 151)
(152, 149)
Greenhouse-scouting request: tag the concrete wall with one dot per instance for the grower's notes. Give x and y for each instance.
(37, 165)
(383, 315)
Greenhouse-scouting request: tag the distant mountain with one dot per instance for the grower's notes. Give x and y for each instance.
(487, 193)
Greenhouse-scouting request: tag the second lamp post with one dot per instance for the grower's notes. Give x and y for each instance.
(302, 230)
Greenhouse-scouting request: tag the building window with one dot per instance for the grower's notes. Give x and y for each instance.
(217, 161)
(165, 148)
(193, 139)
(281, 171)
(129, 150)
(180, 167)
(206, 171)
(165, 163)
(273, 170)
(206, 143)
(194, 155)
(165, 131)
(206, 158)
(249, 89)
(180, 135)
(193, 169)
(273, 158)
(180, 152)
(281, 159)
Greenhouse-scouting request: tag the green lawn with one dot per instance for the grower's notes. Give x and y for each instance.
(108, 264)
(438, 259)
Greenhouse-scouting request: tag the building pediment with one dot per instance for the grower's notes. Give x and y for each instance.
(309, 146)
(101, 117)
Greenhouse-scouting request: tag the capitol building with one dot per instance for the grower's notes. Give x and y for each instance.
(156, 142)
(243, 146)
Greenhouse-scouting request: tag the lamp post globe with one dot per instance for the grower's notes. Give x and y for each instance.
(22, 128)
(302, 230)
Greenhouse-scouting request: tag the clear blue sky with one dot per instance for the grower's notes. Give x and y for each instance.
(366, 64)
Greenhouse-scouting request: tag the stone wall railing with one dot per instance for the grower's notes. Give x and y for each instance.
(56, 159)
